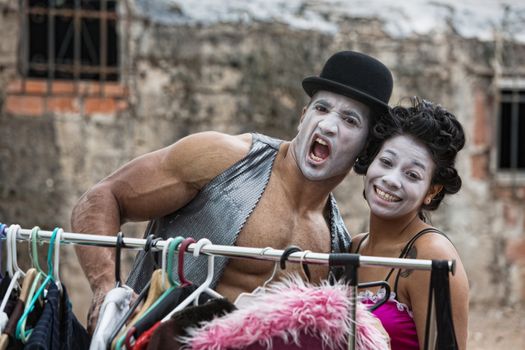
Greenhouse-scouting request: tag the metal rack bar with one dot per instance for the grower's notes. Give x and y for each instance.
(238, 252)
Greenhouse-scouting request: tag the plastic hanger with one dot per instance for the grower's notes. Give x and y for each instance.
(151, 241)
(243, 299)
(305, 270)
(54, 265)
(170, 298)
(34, 248)
(119, 244)
(2, 238)
(12, 266)
(157, 290)
(14, 271)
(290, 250)
(36, 264)
(34, 284)
(164, 259)
(180, 265)
(194, 297)
(21, 332)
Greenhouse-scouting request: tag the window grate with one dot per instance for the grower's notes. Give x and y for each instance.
(511, 138)
(69, 39)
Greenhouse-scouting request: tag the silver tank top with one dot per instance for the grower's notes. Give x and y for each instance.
(219, 212)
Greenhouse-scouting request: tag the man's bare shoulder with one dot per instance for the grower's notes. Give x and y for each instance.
(212, 144)
(202, 156)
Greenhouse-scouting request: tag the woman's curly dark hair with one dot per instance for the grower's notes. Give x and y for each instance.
(429, 123)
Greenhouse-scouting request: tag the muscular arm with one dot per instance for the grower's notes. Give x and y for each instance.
(150, 186)
(435, 246)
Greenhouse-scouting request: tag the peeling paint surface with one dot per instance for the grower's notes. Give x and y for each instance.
(470, 18)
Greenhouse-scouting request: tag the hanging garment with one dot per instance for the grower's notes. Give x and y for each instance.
(8, 339)
(220, 210)
(293, 311)
(166, 336)
(46, 334)
(72, 334)
(57, 328)
(161, 308)
(4, 284)
(144, 339)
(114, 307)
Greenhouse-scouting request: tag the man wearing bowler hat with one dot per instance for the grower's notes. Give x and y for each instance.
(247, 190)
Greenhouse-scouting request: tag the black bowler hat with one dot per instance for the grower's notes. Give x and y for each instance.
(357, 76)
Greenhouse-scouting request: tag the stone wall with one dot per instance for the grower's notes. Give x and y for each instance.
(243, 77)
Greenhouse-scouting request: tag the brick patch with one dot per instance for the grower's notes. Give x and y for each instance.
(31, 97)
(515, 250)
(95, 105)
(479, 164)
(63, 87)
(14, 87)
(32, 86)
(33, 106)
(63, 105)
(114, 90)
(481, 129)
(89, 88)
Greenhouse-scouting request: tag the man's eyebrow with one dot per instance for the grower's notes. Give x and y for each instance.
(323, 102)
(352, 112)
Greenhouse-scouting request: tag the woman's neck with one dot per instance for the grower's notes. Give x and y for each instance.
(394, 231)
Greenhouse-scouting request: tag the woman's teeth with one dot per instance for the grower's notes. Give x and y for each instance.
(387, 196)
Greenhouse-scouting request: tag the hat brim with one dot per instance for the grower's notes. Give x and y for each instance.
(313, 84)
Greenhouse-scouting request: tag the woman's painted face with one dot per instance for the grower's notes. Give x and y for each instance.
(399, 178)
(332, 133)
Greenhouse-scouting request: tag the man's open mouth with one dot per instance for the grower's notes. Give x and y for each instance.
(319, 150)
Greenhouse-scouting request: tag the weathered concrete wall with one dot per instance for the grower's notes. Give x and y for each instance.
(238, 78)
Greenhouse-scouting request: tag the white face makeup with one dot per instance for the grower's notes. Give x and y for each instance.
(332, 133)
(398, 179)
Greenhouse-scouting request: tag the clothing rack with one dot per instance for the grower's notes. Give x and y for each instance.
(351, 262)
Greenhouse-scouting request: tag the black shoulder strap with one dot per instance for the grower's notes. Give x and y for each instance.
(361, 242)
(409, 245)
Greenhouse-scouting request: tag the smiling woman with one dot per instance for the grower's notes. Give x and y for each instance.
(409, 166)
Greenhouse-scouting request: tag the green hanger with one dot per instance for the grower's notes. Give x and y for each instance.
(34, 249)
(21, 332)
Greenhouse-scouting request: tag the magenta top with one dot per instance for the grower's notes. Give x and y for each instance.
(397, 320)
(396, 317)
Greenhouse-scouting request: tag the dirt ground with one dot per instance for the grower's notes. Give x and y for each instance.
(501, 328)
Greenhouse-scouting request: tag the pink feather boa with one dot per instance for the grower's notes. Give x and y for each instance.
(288, 309)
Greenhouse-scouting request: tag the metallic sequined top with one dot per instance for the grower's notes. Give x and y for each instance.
(219, 212)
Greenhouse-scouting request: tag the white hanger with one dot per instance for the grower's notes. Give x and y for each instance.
(302, 265)
(56, 262)
(12, 267)
(12, 264)
(194, 297)
(244, 298)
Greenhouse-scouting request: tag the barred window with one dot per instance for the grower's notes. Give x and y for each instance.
(511, 133)
(69, 39)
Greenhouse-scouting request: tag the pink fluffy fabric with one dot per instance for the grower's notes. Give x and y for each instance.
(288, 309)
